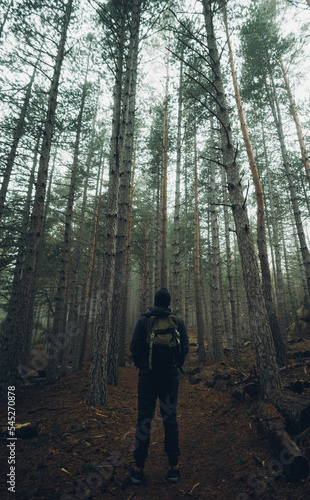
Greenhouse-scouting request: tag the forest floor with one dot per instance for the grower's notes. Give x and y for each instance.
(84, 452)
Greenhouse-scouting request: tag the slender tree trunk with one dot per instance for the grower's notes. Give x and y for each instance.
(90, 284)
(303, 149)
(217, 307)
(300, 265)
(60, 319)
(17, 326)
(97, 390)
(17, 134)
(293, 302)
(232, 297)
(163, 272)
(293, 195)
(266, 359)
(125, 316)
(277, 332)
(198, 298)
(145, 268)
(177, 292)
(186, 263)
(5, 17)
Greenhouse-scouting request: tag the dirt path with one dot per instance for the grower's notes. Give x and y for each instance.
(84, 452)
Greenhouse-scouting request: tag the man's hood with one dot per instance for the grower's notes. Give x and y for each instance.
(158, 311)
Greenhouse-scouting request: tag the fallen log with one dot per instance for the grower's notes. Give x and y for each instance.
(294, 407)
(293, 463)
(242, 392)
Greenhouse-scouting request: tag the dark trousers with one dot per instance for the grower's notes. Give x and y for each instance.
(165, 386)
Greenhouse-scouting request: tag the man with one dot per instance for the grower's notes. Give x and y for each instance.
(158, 378)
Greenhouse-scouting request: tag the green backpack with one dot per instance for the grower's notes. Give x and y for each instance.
(163, 338)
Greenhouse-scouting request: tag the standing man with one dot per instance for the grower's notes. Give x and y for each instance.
(159, 346)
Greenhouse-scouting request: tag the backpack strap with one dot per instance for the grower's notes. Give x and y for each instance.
(152, 336)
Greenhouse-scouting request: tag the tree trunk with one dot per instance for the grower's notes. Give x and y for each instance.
(60, 319)
(125, 316)
(277, 333)
(163, 267)
(217, 306)
(18, 131)
(5, 17)
(177, 292)
(266, 359)
(17, 326)
(303, 149)
(125, 154)
(232, 298)
(198, 298)
(90, 284)
(293, 195)
(145, 268)
(17, 275)
(293, 302)
(186, 263)
(98, 371)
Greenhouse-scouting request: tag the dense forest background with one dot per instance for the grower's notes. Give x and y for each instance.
(149, 144)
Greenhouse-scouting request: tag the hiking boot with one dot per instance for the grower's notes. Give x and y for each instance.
(136, 477)
(173, 476)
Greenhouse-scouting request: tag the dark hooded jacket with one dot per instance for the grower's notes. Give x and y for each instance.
(140, 349)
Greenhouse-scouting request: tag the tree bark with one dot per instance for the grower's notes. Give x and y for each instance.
(18, 131)
(293, 195)
(303, 149)
(98, 371)
(177, 291)
(59, 328)
(232, 297)
(17, 326)
(198, 299)
(277, 333)
(259, 324)
(163, 253)
(215, 278)
(125, 155)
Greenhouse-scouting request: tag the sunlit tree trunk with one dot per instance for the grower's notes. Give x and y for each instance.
(277, 332)
(266, 358)
(303, 149)
(17, 326)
